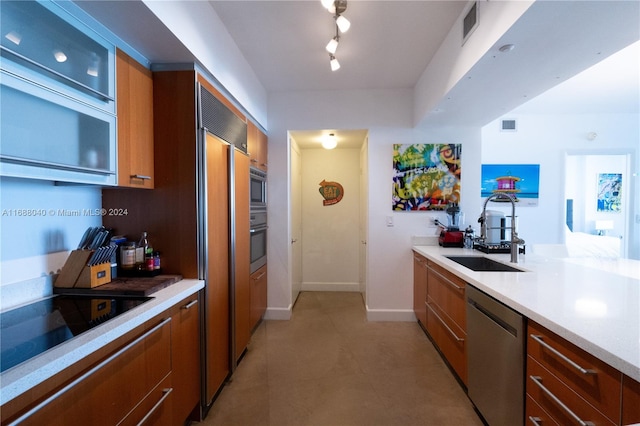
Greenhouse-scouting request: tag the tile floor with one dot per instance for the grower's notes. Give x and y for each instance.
(328, 366)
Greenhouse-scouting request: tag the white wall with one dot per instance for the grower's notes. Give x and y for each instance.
(387, 116)
(545, 140)
(330, 234)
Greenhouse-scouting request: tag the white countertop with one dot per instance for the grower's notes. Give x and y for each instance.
(593, 303)
(23, 377)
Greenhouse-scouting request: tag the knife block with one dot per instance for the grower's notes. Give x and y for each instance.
(76, 274)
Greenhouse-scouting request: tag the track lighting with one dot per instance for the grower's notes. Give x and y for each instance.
(336, 8)
(343, 24)
(335, 65)
(332, 46)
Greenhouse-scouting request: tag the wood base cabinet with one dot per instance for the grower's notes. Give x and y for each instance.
(127, 385)
(420, 288)
(446, 320)
(569, 384)
(258, 295)
(630, 401)
(149, 376)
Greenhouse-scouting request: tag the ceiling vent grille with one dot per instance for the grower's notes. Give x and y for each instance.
(508, 126)
(470, 22)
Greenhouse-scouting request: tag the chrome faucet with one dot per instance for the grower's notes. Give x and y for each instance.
(515, 240)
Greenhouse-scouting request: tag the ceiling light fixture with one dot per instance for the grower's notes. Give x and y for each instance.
(336, 8)
(506, 47)
(329, 141)
(59, 55)
(14, 37)
(335, 65)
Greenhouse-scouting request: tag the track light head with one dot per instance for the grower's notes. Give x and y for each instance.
(335, 65)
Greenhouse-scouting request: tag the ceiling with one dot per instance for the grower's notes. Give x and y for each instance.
(390, 43)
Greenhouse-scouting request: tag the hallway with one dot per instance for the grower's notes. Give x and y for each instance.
(328, 366)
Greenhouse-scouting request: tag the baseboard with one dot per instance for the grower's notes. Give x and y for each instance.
(278, 314)
(397, 315)
(311, 286)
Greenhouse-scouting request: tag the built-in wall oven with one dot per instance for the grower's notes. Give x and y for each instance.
(258, 242)
(258, 189)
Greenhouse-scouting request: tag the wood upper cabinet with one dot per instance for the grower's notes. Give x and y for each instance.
(257, 145)
(135, 123)
(420, 288)
(258, 295)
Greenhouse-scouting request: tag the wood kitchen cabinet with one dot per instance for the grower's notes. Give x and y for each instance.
(242, 284)
(257, 145)
(446, 316)
(188, 214)
(420, 288)
(630, 401)
(258, 295)
(568, 383)
(127, 381)
(135, 123)
(185, 353)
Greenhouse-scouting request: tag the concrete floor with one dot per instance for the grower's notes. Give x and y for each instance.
(328, 366)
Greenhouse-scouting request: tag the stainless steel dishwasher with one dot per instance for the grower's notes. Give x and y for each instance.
(495, 356)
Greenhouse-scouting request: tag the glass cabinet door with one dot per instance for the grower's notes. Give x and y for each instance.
(37, 42)
(48, 136)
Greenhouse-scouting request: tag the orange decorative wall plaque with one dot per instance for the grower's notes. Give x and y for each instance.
(332, 192)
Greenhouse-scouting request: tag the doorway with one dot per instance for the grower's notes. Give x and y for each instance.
(583, 211)
(328, 211)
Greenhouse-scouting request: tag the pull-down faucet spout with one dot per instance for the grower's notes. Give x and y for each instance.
(515, 240)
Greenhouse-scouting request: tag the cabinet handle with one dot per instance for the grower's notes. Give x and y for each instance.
(444, 324)
(259, 277)
(141, 177)
(253, 160)
(563, 357)
(537, 380)
(190, 304)
(264, 165)
(447, 280)
(86, 375)
(165, 394)
(536, 421)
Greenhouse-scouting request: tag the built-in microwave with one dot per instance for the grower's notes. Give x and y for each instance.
(258, 189)
(258, 242)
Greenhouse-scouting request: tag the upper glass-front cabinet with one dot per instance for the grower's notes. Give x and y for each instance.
(39, 43)
(57, 84)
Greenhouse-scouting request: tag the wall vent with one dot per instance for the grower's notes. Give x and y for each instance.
(221, 121)
(470, 22)
(508, 126)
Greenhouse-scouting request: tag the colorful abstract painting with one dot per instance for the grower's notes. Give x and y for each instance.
(425, 176)
(609, 192)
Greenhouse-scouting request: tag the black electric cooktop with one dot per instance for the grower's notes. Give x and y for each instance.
(29, 330)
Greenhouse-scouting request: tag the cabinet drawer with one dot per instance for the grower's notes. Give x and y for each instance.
(595, 381)
(450, 339)
(536, 416)
(155, 409)
(447, 291)
(560, 401)
(107, 392)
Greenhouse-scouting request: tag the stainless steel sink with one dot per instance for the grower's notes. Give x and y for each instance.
(482, 264)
